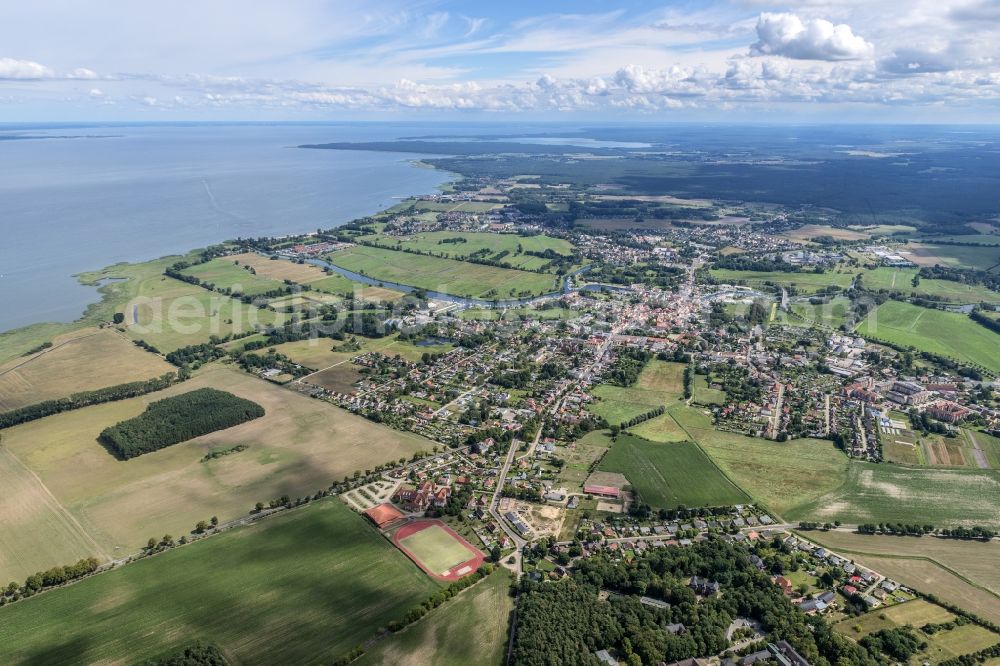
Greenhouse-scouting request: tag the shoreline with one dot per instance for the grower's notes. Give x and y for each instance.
(91, 312)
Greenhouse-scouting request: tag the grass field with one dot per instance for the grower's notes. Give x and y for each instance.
(461, 206)
(805, 282)
(941, 645)
(302, 588)
(831, 314)
(469, 629)
(438, 550)
(579, 456)
(79, 361)
(901, 279)
(703, 394)
(460, 278)
(318, 353)
(887, 493)
(515, 246)
(298, 447)
(946, 333)
(667, 475)
(226, 273)
(660, 383)
(170, 314)
(779, 475)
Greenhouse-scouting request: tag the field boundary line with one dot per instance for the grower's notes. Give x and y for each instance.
(60, 509)
(721, 471)
(47, 350)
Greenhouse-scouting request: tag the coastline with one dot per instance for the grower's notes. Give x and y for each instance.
(15, 341)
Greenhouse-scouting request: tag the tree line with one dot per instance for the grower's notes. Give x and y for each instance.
(86, 398)
(178, 419)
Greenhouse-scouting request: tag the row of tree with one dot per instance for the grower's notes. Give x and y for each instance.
(85, 399)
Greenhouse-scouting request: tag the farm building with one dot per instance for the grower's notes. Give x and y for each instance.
(603, 491)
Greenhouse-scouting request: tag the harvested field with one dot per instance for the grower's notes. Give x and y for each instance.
(299, 446)
(81, 361)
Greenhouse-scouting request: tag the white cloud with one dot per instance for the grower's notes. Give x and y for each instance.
(787, 35)
(13, 69)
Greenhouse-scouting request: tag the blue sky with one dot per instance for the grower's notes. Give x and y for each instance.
(726, 60)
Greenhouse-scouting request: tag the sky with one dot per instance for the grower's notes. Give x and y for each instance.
(701, 60)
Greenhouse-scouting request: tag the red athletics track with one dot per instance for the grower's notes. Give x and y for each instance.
(467, 567)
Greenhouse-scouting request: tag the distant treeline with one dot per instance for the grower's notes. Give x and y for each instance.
(85, 399)
(963, 275)
(178, 419)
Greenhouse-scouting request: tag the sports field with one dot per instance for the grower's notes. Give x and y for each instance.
(468, 629)
(805, 282)
(83, 360)
(947, 333)
(484, 244)
(667, 475)
(300, 446)
(301, 588)
(888, 493)
(660, 383)
(437, 549)
(460, 278)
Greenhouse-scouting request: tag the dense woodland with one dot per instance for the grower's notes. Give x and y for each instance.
(178, 419)
(566, 623)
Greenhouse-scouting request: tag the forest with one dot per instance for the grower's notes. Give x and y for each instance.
(177, 419)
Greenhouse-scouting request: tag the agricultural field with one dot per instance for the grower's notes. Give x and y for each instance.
(299, 446)
(941, 645)
(663, 428)
(983, 257)
(887, 493)
(304, 588)
(807, 232)
(227, 273)
(318, 353)
(782, 476)
(805, 282)
(907, 447)
(947, 333)
(972, 560)
(660, 384)
(459, 206)
(444, 275)
(666, 475)
(83, 360)
(901, 279)
(468, 629)
(278, 269)
(170, 314)
(514, 245)
(829, 315)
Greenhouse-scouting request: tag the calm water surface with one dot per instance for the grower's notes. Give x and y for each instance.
(132, 193)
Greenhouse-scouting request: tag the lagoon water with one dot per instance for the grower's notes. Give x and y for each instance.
(116, 193)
